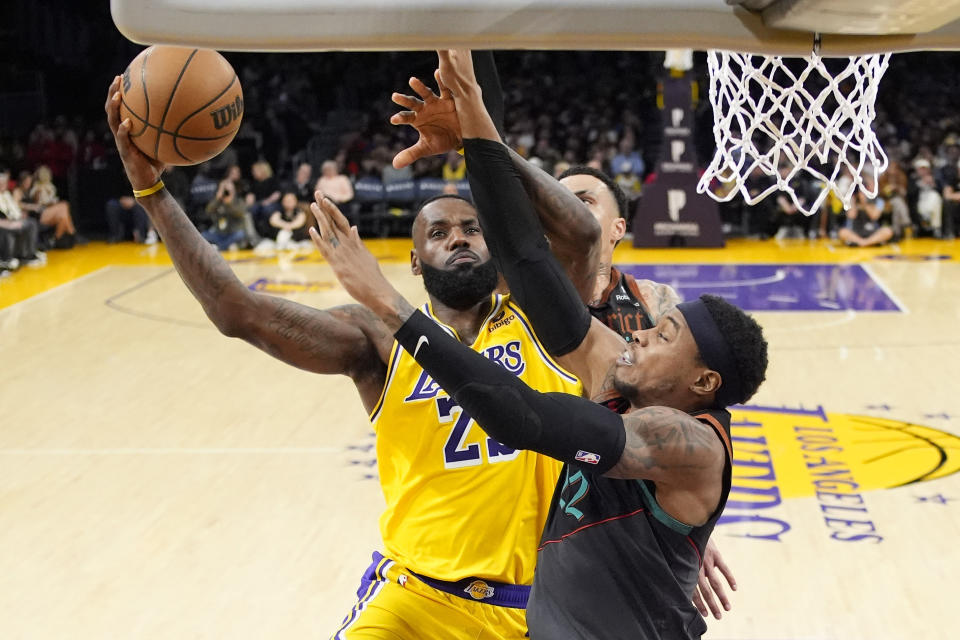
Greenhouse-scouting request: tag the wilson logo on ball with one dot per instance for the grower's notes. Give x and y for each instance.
(227, 114)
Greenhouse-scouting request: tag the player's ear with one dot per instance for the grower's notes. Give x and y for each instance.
(619, 229)
(414, 263)
(707, 382)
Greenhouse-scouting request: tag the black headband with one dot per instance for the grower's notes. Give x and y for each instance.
(714, 349)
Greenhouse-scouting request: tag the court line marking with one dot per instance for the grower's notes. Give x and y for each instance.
(112, 303)
(883, 287)
(166, 451)
(52, 289)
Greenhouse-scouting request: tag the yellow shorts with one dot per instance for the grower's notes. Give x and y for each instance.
(395, 605)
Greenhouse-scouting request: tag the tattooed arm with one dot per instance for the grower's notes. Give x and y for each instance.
(657, 298)
(573, 232)
(348, 340)
(684, 456)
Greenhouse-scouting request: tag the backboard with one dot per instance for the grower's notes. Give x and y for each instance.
(785, 27)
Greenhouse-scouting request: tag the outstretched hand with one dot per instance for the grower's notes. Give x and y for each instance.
(710, 584)
(434, 116)
(142, 171)
(353, 264)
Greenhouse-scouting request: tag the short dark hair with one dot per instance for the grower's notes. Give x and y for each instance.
(441, 196)
(618, 195)
(746, 341)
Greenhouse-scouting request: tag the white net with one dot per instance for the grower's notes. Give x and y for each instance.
(799, 126)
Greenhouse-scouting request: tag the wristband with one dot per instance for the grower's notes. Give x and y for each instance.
(143, 193)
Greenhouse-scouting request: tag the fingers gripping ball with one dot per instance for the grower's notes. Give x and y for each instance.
(184, 104)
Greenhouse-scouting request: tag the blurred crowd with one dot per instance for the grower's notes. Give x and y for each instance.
(321, 121)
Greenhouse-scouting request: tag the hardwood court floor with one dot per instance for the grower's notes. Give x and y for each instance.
(158, 480)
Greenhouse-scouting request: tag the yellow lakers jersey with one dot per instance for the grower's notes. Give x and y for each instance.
(460, 504)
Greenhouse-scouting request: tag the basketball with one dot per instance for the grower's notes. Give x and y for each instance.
(184, 104)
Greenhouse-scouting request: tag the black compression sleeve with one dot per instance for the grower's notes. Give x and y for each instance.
(563, 426)
(520, 249)
(485, 70)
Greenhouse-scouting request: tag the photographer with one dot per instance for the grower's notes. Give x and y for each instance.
(227, 214)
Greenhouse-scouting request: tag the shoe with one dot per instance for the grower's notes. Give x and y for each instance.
(151, 237)
(233, 246)
(10, 265)
(781, 233)
(37, 260)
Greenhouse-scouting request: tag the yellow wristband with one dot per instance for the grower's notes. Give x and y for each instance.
(149, 190)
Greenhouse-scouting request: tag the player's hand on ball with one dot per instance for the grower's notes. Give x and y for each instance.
(433, 116)
(143, 172)
(353, 264)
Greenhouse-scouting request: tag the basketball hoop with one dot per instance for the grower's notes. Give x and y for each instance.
(788, 118)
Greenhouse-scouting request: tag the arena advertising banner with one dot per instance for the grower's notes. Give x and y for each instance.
(671, 213)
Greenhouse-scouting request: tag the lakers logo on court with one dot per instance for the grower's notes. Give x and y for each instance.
(837, 460)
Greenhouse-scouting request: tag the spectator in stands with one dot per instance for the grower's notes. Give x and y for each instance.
(627, 154)
(203, 189)
(454, 168)
(893, 190)
(228, 230)
(302, 183)
(126, 219)
(240, 185)
(20, 233)
(290, 223)
(929, 199)
(629, 181)
(39, 196)
(264, 196)
(334, 184)
(867, 225)
(951, 199)
(787, 218)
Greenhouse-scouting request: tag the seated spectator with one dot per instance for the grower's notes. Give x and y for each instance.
(235, 175)
(629, 181)
(264, 196)
(39, 196)
(951, 200)
(893, 190)
(19, 233)
(302, 183)
(333, 184)
(787, 218)
(203, 189)
(127, 220)
(454, 169)
(929, 199)
(289, 223)
(627, 154)
(867, 225)
(228, 215)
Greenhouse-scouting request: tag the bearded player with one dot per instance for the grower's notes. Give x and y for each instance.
(617, 299)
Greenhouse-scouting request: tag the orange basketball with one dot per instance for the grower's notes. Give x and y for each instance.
(184, 104)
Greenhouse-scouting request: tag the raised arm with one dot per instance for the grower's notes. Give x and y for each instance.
(571, 228)
(658, 444)
(347, 340)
